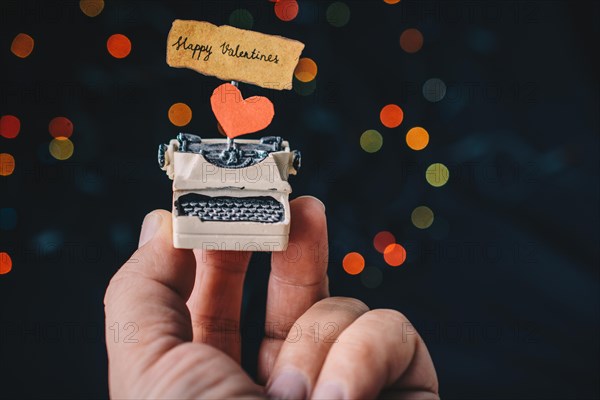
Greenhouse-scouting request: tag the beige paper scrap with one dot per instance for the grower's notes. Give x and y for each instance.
(233, 54)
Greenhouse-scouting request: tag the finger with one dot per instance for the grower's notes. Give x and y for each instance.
(303, 352)
(298, 277)
(379, 349)
(145, 308)
(216, 301)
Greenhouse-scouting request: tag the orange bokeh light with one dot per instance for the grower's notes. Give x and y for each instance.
(353, 263)
(286, 10)
(411, 40)
(382, 240)
(180, 114)
(306, 70)
(5, 263)
(9, 126)
(118, 45)
(417, 138)
(391, 116)
(22, 45)
(391, 1)
(7, 164)
(91, 8)
(60, 127)
(394, 254)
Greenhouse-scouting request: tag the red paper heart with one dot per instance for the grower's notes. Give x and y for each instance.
(238, 116)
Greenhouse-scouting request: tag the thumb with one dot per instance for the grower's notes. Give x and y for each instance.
(145, 302)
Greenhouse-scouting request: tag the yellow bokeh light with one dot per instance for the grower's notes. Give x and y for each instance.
(180, 114)
(371, 141)
(437, 174)
(91, 8)
(422, 217)
(353, 263)
(7, 164)
(5, 263)
(306, 70)
(417, 138)
(61, 148)
(22, 45)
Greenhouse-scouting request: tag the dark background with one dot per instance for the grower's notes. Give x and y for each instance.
(504, 285)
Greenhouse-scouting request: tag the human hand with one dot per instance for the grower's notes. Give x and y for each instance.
(186, 307)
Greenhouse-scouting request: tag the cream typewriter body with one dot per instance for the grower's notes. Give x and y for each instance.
(230, 195)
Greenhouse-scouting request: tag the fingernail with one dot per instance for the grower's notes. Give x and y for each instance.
(288, 385)
(328, 391)
(150, 226)
(314, 198)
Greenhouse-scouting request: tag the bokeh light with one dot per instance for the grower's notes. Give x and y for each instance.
(353, 263)
(371, 141)
(7, 164)
(437, 174)
(304, 88)
(61, 148)
(391, 1)
(434, 90)
(118, 45)
(9, 126)
(286, 10)
(391, 116)
(382, 240)
(49, 241)
(422, 217)
(89, 181)
(338, 14)
(22, 45)
(394, 255)
(5, 263)
(371, 277)
(8, 218)
(91, 8)
(417, 138)
(241, 18)
(180, 114)
(60, 127)
(306, 70)
(411, 40)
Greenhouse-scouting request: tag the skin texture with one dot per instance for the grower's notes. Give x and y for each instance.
(186, 307)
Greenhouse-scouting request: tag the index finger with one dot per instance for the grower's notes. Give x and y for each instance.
(145, 308)
(298, 277)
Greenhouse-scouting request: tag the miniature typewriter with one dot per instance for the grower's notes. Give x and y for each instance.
(230, 195)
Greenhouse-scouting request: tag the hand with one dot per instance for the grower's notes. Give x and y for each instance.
(186, 307)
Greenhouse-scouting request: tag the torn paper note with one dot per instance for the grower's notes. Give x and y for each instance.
(233, 54)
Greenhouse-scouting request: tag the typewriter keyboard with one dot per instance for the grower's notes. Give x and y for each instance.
(224, 208)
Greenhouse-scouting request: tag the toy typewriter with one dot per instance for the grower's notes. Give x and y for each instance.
(230, 195)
